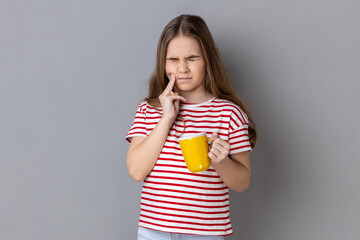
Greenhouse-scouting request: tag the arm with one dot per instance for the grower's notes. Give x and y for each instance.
(235, 171)
(144, 151)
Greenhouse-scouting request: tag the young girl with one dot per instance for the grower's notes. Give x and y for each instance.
(189, 93)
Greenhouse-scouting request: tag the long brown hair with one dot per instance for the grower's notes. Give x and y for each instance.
(216, 80)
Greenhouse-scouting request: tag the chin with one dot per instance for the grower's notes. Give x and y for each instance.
(185, 89)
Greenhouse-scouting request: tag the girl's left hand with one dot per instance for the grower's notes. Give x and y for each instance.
(219, 150)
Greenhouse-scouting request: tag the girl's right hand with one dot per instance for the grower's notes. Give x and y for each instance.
(170, 100)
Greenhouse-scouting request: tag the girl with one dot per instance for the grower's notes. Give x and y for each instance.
(189, 92)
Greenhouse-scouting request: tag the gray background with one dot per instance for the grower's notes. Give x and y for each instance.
(72, 73)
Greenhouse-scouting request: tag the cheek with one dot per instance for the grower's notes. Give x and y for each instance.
(169, 68)
(199, 69)
(168, 73)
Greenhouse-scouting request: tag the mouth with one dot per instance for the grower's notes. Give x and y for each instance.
(184, 78)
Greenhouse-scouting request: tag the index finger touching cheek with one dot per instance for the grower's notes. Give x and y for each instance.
(171, 83)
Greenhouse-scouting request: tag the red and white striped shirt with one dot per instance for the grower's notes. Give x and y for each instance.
(174, 199)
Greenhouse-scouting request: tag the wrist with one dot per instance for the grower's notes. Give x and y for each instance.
(220, 164)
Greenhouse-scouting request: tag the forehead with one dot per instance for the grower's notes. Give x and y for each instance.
(183, 45)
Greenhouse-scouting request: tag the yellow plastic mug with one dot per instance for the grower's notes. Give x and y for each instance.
(195, 150)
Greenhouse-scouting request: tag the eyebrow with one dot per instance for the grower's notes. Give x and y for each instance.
(191, 56)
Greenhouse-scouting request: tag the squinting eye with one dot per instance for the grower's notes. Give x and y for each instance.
(172, 59)
(192, 59)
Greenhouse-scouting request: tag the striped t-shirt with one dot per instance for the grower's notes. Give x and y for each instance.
(173, 199)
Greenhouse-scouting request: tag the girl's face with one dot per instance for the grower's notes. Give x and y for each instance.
(184, 58)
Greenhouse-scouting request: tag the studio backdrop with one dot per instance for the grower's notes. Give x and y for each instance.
(73, 72)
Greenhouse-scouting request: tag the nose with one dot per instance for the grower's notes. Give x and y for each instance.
(183, 66)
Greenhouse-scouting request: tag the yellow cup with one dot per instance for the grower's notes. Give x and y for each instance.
(195, 150)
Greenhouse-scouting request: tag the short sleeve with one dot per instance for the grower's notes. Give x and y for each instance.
(238, 132)
(138, 128)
